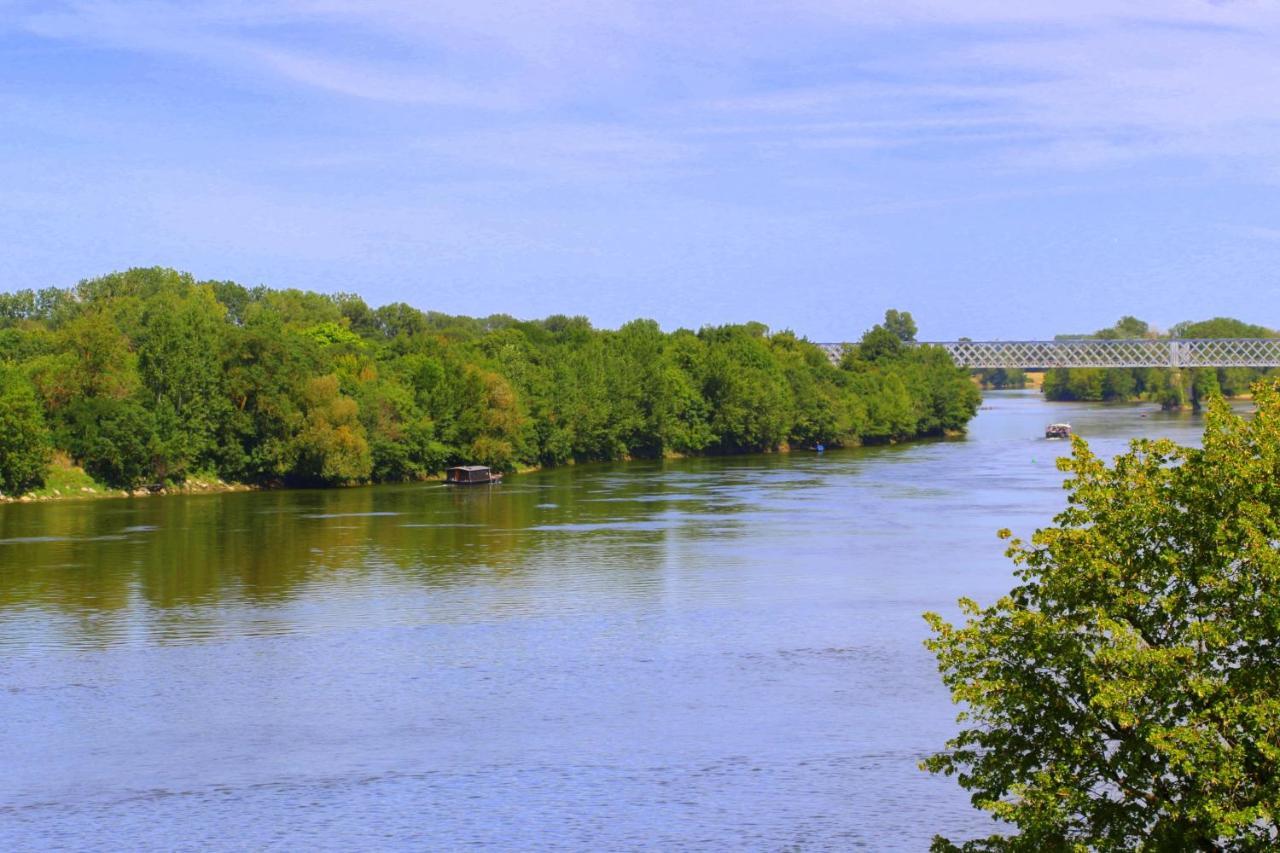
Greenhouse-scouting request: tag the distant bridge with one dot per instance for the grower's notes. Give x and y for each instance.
(1041, 355)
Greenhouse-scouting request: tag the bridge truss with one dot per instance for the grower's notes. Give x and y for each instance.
(1041, 355)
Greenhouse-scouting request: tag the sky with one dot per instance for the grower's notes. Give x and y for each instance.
(1002, 170)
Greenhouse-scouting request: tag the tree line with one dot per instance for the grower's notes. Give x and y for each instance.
(1170, 388)
(149, 376)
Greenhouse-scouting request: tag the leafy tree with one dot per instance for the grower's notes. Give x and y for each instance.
(1002, 377)
(1126, 327)
(148, 374)
(1172, 389)
(17, 306)
(1118, 384)
(1081, 383)
(179, 359)
(1126, 693)
(879, 344)
(747, 392)
(96, 360)
(24, 440)
(114, 440)
(944, 397)
(901, 324)
(684, 414)
(331, 447)
(1220, 327)
(890, 411)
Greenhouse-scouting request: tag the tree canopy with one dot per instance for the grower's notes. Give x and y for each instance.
(1126, 693)
(150, 376)
(24, 440)
(1171, 388)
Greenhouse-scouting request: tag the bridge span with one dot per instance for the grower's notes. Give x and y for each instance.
(1041, 355)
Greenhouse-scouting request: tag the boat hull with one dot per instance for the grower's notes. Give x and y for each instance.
(489, 482)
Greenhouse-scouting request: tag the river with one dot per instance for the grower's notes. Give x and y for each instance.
(701, 654)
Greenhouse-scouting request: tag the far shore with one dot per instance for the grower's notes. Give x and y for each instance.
(70, 482)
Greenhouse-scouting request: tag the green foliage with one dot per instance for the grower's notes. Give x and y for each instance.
(1126, 693)
(331, 446)
(180, 364)
(24, 440)
(1220, 327)
(1170, 388)
(901, 324)
(148, 376)
(879, 344)
(906, 391)
(113, 440)
(1002, 378)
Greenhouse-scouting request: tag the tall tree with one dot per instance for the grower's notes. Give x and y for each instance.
(901, 324)
(24, 440)
(1126, 693)
(179, 358)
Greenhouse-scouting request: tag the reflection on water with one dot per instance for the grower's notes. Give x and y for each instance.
(705, 653)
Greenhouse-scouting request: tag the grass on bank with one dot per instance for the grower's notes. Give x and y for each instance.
(65, 479)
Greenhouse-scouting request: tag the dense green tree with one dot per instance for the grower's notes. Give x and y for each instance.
(944, 397)
(1220, 327)
(18, 306)
(180, 363)
(331, 447)
(95, 359)
(114, 440)
(890, 411)
(879, 344)
(264, 370)
(684, 413)
(1118, 384)
(746, 390)
(1127, 327)
(901, 324)
(1232, 381)
(24, 440)
(1002, 378)
(1125, 694)
(147, 376)
(1170, 388)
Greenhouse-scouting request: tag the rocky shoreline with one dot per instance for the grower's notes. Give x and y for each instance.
(191, 487)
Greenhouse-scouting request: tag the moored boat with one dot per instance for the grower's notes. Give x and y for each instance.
(1057, 431)
(471, 475)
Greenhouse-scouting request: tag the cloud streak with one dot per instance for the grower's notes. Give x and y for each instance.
(859, 144)
(1089, 83)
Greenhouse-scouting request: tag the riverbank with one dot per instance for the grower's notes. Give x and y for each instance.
(67, 481)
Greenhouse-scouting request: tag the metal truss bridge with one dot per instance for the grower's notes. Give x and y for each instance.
(1041, 355)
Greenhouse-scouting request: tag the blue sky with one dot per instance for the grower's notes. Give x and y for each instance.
(1000, 169)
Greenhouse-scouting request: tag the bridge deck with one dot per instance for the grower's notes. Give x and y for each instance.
(1040, 355)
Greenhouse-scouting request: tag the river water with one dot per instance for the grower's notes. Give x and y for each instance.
(703, 654)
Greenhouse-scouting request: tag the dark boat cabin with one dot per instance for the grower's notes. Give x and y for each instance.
(471, 475)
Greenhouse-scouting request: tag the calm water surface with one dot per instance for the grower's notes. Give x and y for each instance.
(708, 654)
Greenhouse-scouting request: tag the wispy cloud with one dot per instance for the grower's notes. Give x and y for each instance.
(1268, 234)
(1090, 83)
(381, 83)
(727, 140)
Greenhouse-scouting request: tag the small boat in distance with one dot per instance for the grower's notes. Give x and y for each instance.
(1057, 431)
(471, 475)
